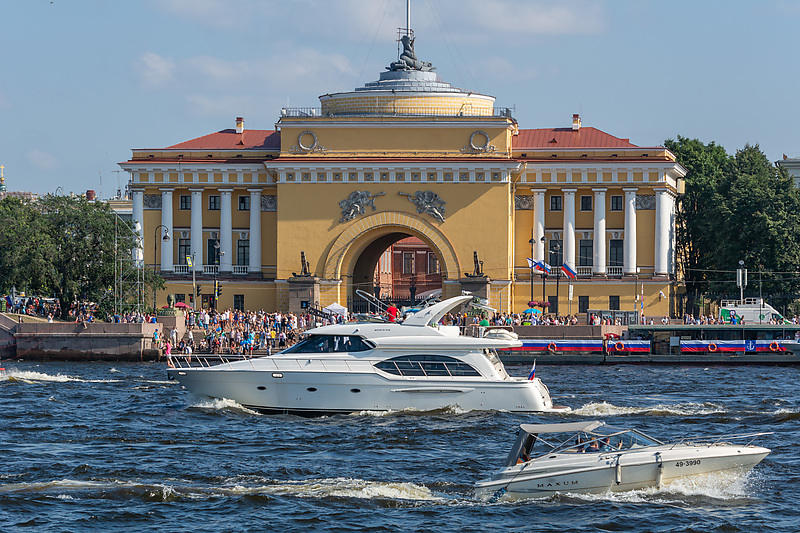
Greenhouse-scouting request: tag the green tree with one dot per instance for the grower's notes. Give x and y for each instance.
(696, 231)
(65, 247)
(759, 215)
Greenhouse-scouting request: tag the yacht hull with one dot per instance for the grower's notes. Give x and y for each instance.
(314, 393)
(616, 472)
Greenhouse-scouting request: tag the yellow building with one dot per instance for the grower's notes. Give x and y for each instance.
(410, 155)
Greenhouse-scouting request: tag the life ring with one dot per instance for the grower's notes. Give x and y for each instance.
(619, 346)
(774, 346)
(712, 347)
(551, 347)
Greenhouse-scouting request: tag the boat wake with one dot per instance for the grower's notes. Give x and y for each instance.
(340, 488)
(30, 377)
(600, 409)
(449, 410)
(223, 405)
(721, 486)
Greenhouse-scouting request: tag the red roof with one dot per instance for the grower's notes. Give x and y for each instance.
(230, 140)
(560, 138)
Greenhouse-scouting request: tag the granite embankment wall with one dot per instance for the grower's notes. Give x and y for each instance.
(81, 341)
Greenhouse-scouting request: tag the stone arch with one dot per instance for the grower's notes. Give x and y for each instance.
(347, 248)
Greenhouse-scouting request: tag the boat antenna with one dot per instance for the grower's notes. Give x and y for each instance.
(408, 18)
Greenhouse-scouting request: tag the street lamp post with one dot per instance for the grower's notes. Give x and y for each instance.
(155, 254)
(530, 267)
(544, 276)
(194, 285)
(555, 250)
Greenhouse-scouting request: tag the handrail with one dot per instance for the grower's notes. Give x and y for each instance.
(717, 439)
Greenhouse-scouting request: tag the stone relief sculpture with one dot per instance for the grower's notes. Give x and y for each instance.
(523, 203)
(269, 202)
(408, 59)
(151, 201)
(428, 202)
(356, 204)
(645, 201)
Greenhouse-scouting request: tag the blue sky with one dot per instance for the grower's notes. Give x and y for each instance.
(82, 82)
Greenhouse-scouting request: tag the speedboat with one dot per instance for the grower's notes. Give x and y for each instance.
(592, 457)
(370, 366)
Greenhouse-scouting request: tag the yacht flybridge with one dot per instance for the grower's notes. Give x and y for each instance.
(370, 366)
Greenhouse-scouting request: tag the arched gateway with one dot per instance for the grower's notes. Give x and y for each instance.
(353, 255)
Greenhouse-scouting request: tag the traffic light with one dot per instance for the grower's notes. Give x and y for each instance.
(216, 289)
(199, 290)
(219, 289)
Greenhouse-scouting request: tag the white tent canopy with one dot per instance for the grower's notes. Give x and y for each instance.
(336, 309)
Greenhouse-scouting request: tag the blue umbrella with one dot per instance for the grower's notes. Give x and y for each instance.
(531, 310)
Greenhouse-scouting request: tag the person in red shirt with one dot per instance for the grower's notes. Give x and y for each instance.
(392, 312)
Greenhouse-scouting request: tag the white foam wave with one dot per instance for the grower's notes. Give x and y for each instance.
(348, 488)
(31, 377)
(601, 409)
(728, 485)
(314, 488)
(448, 410)
(224, 404)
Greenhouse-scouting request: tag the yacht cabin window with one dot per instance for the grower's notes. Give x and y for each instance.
(330, 344)
(426, 365)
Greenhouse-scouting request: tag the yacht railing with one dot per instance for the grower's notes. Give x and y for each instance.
(720, 439)
(204, 360)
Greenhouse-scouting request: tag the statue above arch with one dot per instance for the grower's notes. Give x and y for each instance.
(408, 59)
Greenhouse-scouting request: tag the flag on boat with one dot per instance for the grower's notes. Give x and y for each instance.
(568, 271)
(661, 294)
(530, 262)
(532, 375)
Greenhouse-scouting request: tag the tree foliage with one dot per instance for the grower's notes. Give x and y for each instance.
(736, 208)
(63, 247)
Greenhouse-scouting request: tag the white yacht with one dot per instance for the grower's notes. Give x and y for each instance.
(592, 457)
(373, 366)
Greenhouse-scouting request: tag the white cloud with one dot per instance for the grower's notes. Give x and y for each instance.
(155, 70)
(41, 160)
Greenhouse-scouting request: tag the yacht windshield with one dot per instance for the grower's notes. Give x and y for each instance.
(330, 344)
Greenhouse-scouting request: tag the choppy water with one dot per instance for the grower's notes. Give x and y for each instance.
(101, 446)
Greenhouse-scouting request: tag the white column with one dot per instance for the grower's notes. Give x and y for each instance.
(166, 219)
(662, 236)
(538, 225)
(225, 231)
(629, 248)
(138, 225)
(255, 231)
(569, 228)
(599, 244)
(197, 228)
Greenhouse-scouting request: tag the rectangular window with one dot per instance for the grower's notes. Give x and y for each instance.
(553, 304)
(184, 250)
(408, 262)
(186, 202)
(433, 263)
(585, 252)
(616, 203)
(555, 203)
(213, 203)
(583, 304)
(238, 302)
(244, 203)
(212, 251)
(243, 252)
(613, 303)
(556, 255)
(615, 257)
(586, 203)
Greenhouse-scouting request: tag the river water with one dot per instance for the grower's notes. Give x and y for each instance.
(118, 447)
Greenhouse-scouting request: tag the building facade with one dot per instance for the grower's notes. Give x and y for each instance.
(304, 212)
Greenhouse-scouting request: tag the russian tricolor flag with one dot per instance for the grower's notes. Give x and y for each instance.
(568, 271)
(532, 375)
